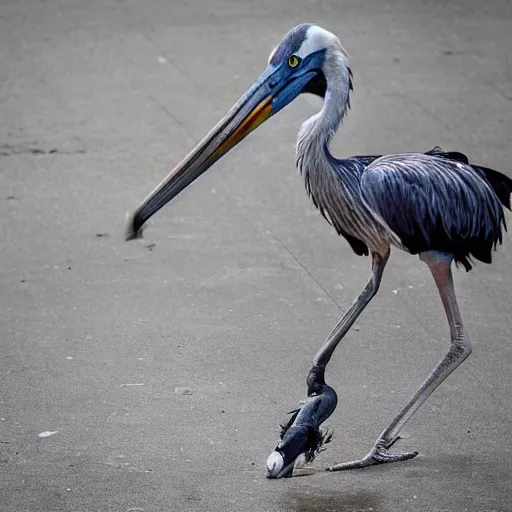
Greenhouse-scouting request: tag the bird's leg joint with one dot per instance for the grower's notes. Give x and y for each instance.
(386, 441)
(461, 345)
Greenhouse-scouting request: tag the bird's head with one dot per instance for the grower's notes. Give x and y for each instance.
(300, 63)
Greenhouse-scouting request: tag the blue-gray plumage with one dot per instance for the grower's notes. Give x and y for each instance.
(435, 204)
(429, 201)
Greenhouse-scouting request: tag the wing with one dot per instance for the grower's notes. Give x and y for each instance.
(434, 203)
(363, 161)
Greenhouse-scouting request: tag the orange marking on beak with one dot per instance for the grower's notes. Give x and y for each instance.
(258, 115)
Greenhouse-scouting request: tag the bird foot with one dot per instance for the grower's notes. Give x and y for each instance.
(379, 454)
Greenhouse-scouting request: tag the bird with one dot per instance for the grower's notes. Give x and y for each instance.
(302, 439)
(433, 204)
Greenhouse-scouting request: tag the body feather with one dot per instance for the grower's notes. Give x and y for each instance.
(438, 202)
(418, 202)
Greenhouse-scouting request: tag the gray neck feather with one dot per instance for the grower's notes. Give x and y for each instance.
(312, 148)
(334, 186)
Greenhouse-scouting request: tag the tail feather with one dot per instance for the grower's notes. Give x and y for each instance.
(501, 184)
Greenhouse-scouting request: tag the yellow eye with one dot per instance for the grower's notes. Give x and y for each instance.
(293, 61)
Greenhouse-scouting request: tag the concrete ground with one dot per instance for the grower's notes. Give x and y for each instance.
(165, 366)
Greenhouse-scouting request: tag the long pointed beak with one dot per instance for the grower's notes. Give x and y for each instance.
(251, 110)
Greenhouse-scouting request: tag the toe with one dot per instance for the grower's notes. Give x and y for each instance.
(376, 456)
(382, 455)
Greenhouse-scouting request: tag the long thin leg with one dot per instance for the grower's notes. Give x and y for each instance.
(460, 348)
(302, 435)
(323, 356)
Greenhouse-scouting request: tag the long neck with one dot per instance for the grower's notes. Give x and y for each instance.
(316, 132)
(334, 185)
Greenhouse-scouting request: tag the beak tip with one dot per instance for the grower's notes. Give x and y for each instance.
(133, 236)
(134, 230)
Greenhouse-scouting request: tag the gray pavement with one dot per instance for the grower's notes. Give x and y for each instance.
(164, 366)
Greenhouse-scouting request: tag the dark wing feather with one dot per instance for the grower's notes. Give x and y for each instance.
(433, 203)
(448, 155)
